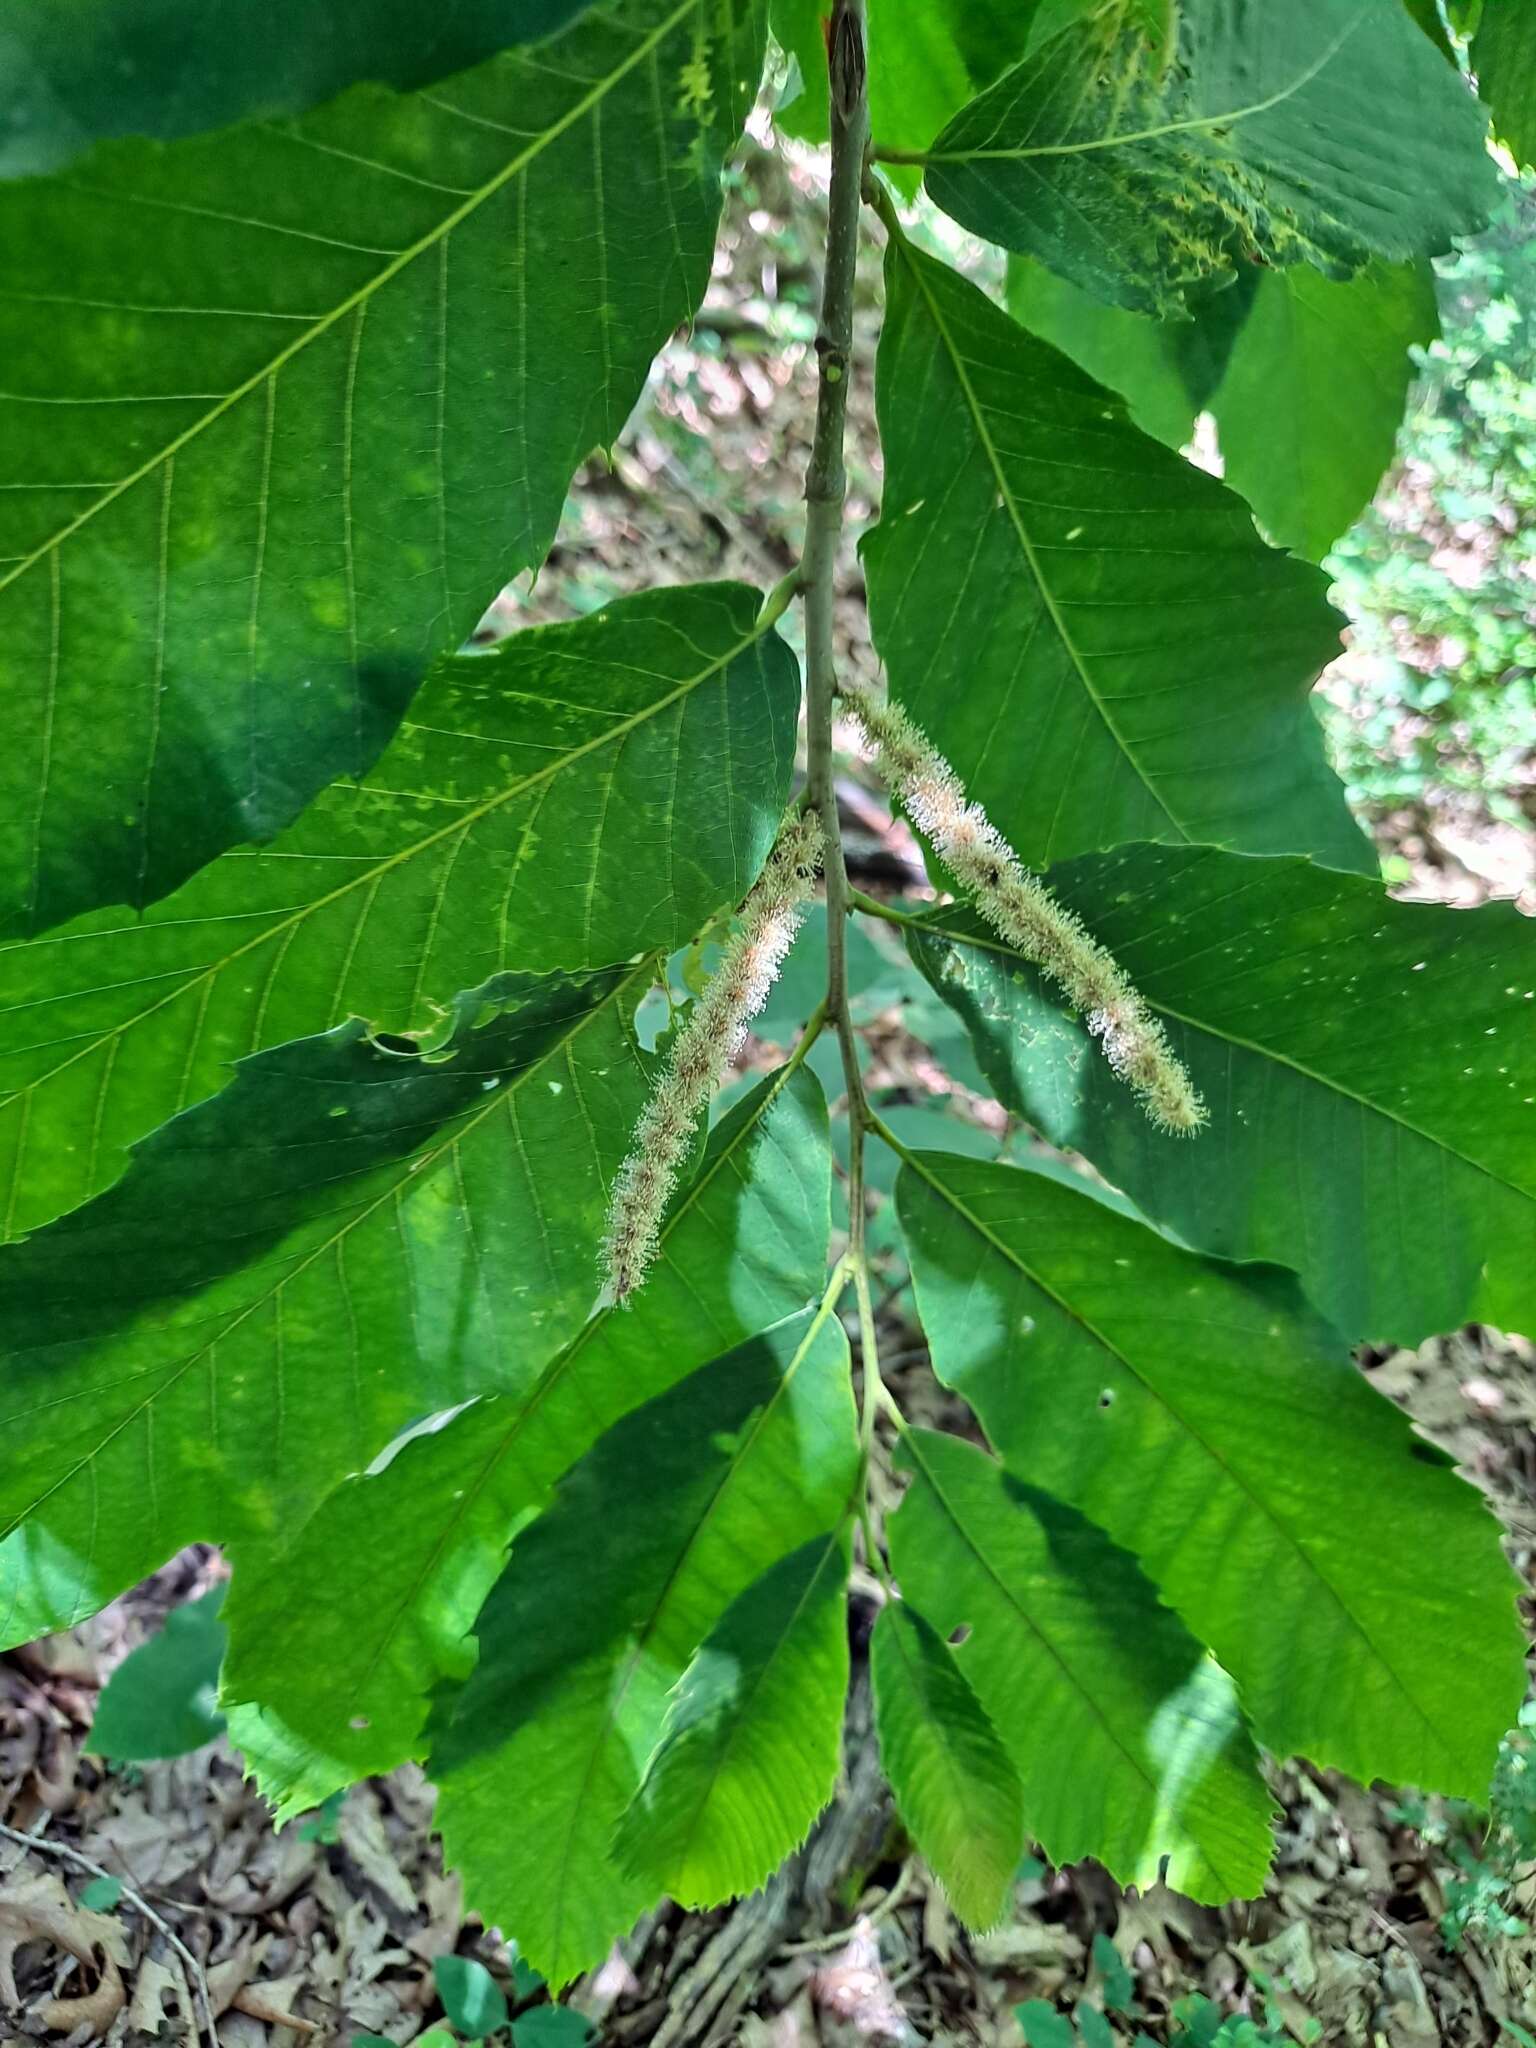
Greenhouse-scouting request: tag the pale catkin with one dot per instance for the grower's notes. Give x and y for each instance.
(703, 1049)
(1022, 911)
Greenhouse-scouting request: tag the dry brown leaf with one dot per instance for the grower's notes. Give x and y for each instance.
(53, 1776)
(360, 1828)
(939, 1923)
(155, 1983)
(228, 1977)
(96, 2009)
(1409, 2019)
(71, 1655)
(1039, 1947)
(253, 1871)
(39, 1908)
(1364, 1822)
(269, 2003)
(152, 1851)
(443, 1898)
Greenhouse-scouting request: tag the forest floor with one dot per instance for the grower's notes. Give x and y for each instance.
(330, 1928)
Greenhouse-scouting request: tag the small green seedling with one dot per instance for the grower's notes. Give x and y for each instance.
(476, 2008)
(162, 1701)
(472, 1999)
(323, 1825)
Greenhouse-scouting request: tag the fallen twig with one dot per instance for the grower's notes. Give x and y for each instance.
(194, 1969)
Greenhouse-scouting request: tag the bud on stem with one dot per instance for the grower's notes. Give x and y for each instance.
(1022, 911)
(702, 1050)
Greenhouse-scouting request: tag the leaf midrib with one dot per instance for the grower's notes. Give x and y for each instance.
(414, 1167)
(1193, 125)
(365, 292)
(370, 876)
(1026, 544)
(746, 1701)
(644, 1634)
(1156, 1394)
(1223, 1036)
(911, 1443)
(552, 1376)
(960, 1774)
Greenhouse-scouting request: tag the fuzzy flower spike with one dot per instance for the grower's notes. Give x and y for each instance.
(1022, 911)
(702, 1050)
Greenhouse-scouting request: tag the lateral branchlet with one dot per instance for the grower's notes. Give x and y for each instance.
(1022, 911)
(703, 1049)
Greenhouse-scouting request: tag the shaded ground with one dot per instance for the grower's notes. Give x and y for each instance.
(331, 1927)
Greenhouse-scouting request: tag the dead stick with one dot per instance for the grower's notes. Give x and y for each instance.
(194, 1968)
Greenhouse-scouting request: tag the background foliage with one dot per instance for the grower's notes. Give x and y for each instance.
(1439, 575)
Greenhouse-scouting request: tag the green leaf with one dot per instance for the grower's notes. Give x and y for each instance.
(585, 793)
(1426, 13)
(1165, 370)
(1127, 1741)
(1208, 1420)
(1323, 132)
(925, 62)
(1088, 627)
(1118, 1984)
(315, 398)
(1370, 1068)
(72, 75)
(325, 1826)
(526, 1981)
(471, 1997)
(1094, 2029)
(102, 1894)
(1306, 378)
(1044, 2026)
(329, 1670)
(1504, 58)
(161, 1700)
(753, 1736)
(1156, 19)
(877, 975)
(551, 2026)
(345, 1240)
(1309, 409)
(695, 1496)
(955, 1787)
